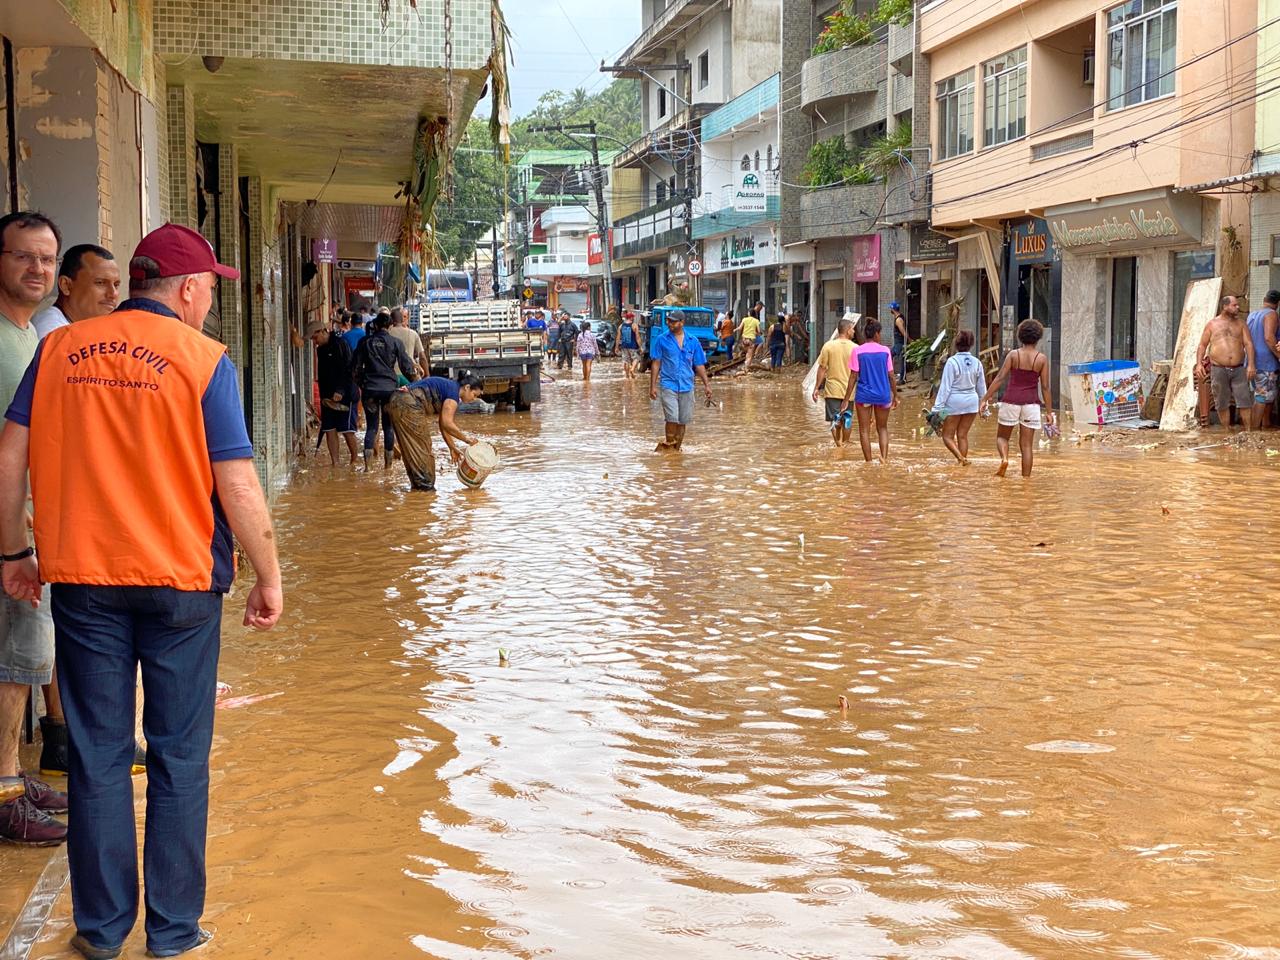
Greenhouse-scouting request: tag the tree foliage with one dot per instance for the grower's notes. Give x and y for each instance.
(479, 183)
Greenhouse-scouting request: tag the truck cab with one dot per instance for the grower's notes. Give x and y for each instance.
(699, 322)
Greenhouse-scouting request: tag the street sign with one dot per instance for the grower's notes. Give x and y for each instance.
(528, 293)
(324, 251)
(361, 265)
(695, 268)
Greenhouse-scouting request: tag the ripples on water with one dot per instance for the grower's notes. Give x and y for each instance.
(1059, 740)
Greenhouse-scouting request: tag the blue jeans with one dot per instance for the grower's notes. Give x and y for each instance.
(899, 351)
(103, 634)
(776, 355)
(375, 411)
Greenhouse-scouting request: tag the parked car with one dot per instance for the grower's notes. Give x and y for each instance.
(603, 329)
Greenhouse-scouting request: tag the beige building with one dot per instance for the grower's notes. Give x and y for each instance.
(1069, 138)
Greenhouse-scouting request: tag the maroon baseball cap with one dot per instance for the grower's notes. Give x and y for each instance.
(178, 251)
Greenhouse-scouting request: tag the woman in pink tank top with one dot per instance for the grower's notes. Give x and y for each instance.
(1027, 372)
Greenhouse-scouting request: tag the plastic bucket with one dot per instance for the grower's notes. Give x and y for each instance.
(478, 461)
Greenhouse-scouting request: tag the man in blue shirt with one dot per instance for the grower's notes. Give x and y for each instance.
(676, 359)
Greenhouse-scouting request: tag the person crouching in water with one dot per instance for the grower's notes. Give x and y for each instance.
(963, 384)
(1027, 370)
(873, 388)
(412, 410)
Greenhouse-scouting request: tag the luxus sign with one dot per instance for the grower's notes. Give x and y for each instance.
(1160, 220)
(749, 195)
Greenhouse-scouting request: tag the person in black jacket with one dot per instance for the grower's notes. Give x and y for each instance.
(373, 368)
(337, 390)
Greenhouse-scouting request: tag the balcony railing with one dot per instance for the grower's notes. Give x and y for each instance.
(555, 265)
(653, 228)
(678, 14)
(840, 211)
(902, 42)
(841, 74)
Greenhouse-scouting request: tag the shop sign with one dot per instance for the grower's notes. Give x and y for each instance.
(750, 195)
(1031, 242)
(866, 258)
(740, 251)
(367, 266)
(595, 249)
(927, 245)
(1163, 220)
(324, 251)
(572, 284)
(678, 264)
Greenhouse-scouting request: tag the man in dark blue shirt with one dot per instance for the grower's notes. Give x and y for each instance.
(676, 358)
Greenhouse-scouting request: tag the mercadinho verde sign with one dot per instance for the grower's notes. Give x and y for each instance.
(1166, 220)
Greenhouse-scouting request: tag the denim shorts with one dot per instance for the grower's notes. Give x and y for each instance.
(677, 407)
(26, 642)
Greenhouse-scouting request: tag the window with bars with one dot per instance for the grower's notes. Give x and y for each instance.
(1004, 98)
(955, 114)
(1142, 40)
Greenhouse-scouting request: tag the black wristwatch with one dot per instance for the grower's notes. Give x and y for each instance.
(15, 557)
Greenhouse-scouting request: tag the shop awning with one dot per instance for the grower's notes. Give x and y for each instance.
(1254, 182)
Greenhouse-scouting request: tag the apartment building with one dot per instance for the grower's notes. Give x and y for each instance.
(691, 57)
(282, 131)
(1072, 142)
(851, 93)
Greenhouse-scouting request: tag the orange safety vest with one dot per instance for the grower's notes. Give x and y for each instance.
(122, 487)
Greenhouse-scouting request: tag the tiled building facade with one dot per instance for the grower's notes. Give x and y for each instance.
(226, 116)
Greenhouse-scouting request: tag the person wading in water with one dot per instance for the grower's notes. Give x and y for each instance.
(1027, 371)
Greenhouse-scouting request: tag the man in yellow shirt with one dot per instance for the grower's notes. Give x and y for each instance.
(833, 380)
(749, 336)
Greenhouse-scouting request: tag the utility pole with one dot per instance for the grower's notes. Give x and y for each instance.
(597, 182)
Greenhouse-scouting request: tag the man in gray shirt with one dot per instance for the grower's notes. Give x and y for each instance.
(409, 339)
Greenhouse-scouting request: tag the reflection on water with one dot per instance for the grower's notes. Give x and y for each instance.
(1058, 741)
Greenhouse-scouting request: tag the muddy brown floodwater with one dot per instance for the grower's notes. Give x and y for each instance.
(1061, 725)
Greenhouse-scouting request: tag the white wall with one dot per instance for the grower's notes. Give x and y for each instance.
(721, 163)
(711, 36)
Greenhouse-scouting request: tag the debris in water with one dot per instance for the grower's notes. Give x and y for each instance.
(503, 659)
(1165, 511)
(1273, 453)
(844, 705)
(606, 476)
(234, 702)
(223, 691)
(1042, 543)
(802, 543)
(824, 588)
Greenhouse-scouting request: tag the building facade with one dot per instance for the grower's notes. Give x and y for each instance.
(1069, 138)
(855, 171)
(265, 126)
(691, 57)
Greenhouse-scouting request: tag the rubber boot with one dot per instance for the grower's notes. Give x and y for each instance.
(368, 460)
(387, 457)
(53, 752)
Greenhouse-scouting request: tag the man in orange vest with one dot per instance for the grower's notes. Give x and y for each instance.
(141, 471)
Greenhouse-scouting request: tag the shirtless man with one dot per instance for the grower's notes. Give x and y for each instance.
(1226, 351)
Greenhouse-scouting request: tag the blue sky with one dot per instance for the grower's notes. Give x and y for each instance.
(550, 55)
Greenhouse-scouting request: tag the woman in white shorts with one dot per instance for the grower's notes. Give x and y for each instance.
(963, 382)
(1027, 372)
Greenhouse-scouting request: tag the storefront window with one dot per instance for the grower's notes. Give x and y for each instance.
(1141, 42)
(1124, 308)
(1187, 266)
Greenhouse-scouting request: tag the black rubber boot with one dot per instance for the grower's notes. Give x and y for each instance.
(53, 753)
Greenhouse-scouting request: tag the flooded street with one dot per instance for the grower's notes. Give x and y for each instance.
(1061, 714)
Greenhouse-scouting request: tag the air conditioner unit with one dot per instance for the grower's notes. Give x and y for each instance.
(1087, 71)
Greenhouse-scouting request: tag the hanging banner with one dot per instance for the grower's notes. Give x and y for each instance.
(866, 258)
(739, 251)
(750, 195)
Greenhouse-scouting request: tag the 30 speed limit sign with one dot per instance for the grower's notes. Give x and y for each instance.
(695, 268)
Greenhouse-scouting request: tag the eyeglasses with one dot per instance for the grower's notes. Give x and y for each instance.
(27, 259)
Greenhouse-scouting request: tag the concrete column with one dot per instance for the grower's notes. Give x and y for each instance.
(1154, 322)
(180, 138)
(270, 414)
(226, 241)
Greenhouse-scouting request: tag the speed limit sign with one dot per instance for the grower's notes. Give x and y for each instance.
(695, 268)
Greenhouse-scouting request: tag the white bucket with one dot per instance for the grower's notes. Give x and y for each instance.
(478, 461)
